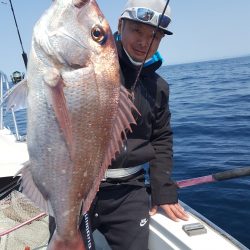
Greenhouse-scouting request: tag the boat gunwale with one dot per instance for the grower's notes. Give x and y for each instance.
(213, 226)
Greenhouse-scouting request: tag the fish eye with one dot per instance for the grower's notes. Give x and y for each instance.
(98, 34)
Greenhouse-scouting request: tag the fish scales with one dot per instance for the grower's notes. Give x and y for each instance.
(77, 110)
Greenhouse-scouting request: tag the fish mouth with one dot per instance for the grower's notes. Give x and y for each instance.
(80, 3)
(77, 66)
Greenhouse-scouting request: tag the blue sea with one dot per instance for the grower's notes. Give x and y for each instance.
(210, 106)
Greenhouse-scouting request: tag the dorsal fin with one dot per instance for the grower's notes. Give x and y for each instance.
(122, 123)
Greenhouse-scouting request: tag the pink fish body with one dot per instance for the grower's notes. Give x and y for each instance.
(77, 111)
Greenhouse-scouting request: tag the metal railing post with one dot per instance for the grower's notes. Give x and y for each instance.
(5, 79)
(1, 100)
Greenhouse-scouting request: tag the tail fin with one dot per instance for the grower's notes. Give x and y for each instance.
(71, 242)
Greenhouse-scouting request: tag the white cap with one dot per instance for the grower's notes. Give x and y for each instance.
(154, 5)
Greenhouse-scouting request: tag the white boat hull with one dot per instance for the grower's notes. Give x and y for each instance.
(167, 234)
(13, 153)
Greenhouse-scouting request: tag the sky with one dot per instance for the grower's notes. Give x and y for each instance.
(203, 30)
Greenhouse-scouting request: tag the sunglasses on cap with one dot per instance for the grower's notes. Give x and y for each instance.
(149, 16)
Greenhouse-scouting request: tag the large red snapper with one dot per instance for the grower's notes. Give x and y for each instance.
(77, 111)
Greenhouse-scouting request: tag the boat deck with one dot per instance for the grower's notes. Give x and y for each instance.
(13, 153)
(167, 234)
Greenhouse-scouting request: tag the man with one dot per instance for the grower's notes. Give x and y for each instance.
(121, 207)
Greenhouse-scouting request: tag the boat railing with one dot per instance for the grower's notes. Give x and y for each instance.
(4, 81)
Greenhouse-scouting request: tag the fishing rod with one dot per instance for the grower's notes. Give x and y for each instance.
(24, 55)
(225, 175)
(149, 47)
(220, 176)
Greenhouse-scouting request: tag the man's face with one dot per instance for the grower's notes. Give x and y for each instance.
(136, 38)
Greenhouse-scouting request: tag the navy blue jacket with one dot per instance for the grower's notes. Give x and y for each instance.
(151, 140)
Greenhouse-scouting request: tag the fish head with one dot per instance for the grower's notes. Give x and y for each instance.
(77, 34)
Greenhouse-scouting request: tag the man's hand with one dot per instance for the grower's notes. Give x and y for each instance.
(173, 211)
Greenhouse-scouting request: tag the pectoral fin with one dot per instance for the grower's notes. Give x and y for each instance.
(58, 101)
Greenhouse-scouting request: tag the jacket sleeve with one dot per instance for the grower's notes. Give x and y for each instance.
(163, 189)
